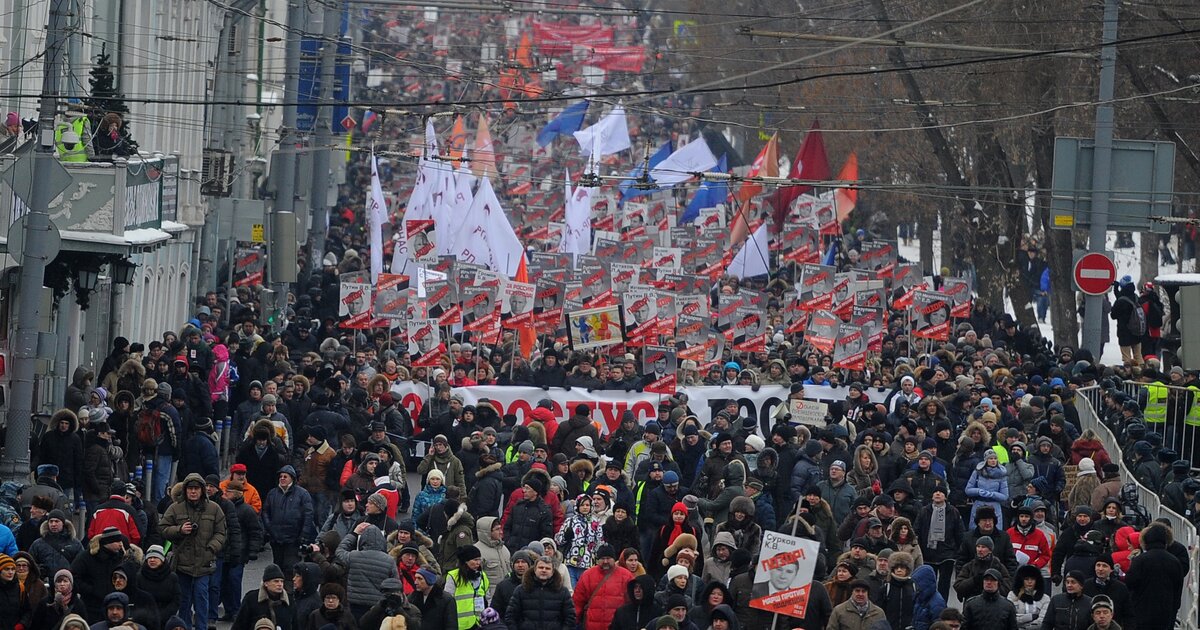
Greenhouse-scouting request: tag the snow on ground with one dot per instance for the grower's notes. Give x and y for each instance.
(1127, 261)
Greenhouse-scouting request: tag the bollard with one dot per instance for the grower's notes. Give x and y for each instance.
(149, 485)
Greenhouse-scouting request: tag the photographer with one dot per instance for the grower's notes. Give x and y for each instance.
(196, 527)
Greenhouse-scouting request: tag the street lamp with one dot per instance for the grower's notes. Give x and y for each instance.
(122, 271)
(86, 279)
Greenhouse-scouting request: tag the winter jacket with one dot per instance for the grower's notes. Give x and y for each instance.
(288, 516)
(568, 432)
(596, 598)
(64, 449)
(1155, 580)
(735, 479)
(258, 604)
(988, 485)
(93, 573)
(200, 455)
(97, 468)
(538, 604)
(487, 495)
(162, 585)
(1020, 473)
(579, 537)
(449, 465)
(1033, 544)
(968, 578)
(1114, 589)
(896, 598)
(527, 521)
(1067, 612)
(368, 565)
(989, 611)
(955, 532)
(637, 614)
(252, 533)
(262, 471)
(846, 617)
(115, 512)
(747, 534)
(460, 532)
(1050, 468)
(806, 472)
(52, 552)
(840, 498)
(621, 534)
(195, 553)
(928, 603)
(496, 557)
(427, 498)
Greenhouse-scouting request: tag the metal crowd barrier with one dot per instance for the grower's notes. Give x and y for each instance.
(1177, 434)
(1087, 400)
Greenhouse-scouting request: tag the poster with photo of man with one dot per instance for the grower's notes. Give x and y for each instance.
(640, 315)
(606, 250)
(422, 243)
(668, 309)
(816, 286)
(391, 297)
(727, 311)
(878, 256)
(959, 292)
(822, 330)
(795, 318)
(696, 340)
(424, 342)
(443, 302)
(784, 574)
(354, 299)
(624, 275)
(850, 351)
(597, 285)
(691, 304)
(516, 304)
(870, 319)
(749, 330)
(930, 313)
(801, 244)
(905, 281)
(666, 260)
(249, 263)
(658, 369)
(480, 311)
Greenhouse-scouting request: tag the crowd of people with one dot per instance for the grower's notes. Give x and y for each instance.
(951, 484)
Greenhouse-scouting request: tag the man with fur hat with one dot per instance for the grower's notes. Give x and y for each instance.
(93, 568)
(30, 529)
(985, 525)
(897, 595)
(1155, 579)
(270, 601)
(196, 527)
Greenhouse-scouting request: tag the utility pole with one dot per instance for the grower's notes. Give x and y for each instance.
(37, 252)
(1093, 317)
(282, 253)
(323, 136)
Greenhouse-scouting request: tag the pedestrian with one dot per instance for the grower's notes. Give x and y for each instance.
(439, 609)
(989, 610)
(196, 528)
(1155, 579)
(468, 586)
(541, 601)
(269, 601)
(1071, 609)
(287, 517)
(601, 590)
(364, 553)
(858, 612)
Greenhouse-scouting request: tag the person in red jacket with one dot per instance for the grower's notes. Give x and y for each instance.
(1127, 541)
(1029, 540)
(601, 590)
(115, 512)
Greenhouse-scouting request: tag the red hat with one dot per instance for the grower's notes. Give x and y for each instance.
(679, 507)
(539, 466)
(236, 468)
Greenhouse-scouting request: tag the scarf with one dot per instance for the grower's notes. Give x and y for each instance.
(676, 528)
(937, 526)
(862, 610)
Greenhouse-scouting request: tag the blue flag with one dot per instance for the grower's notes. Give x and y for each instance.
(566, 123)
(831, 254)
(628, 187)
(707, 196)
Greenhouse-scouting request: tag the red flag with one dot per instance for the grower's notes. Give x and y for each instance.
(844, 199)
(458, 139)
(765, 165)
(483, 155)
(810, 163)
(527, 335)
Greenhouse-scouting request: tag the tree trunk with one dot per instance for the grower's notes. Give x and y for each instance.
(1059, 243)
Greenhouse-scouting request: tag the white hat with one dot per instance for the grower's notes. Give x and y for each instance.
(1087, 466)
(675, 571)
(330, 260)
(756, 442)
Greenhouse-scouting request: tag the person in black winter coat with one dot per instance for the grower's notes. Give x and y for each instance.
(306, 593)
(157, 579)
(541, 601)
(1155, 579)
(990, 610)
(393, 603)
(985, 525)
(63, 446)
(530, 518)
(1071, 609)
(1109, 586)
(55, 550)
(93, 569)
(522, 562)
(487, 495)
(619, 530)
(437, 608)
(270, 601)
(550, 373)
(640, 607)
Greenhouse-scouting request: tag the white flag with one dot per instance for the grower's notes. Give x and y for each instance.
(693, 157)
(376, 217)
(751, 261)
(485, 236)
(457, 207)
(420, 202)
(577, 228)
(611, 134)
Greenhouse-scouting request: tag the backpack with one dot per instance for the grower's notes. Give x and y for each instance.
(149, 427)
(1136, 325)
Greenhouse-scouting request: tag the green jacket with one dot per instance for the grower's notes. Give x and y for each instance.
(195, 553)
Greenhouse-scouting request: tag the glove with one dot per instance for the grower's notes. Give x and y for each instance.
(755, 387)
(1057, 579)
(566, 387)
(545, 388)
